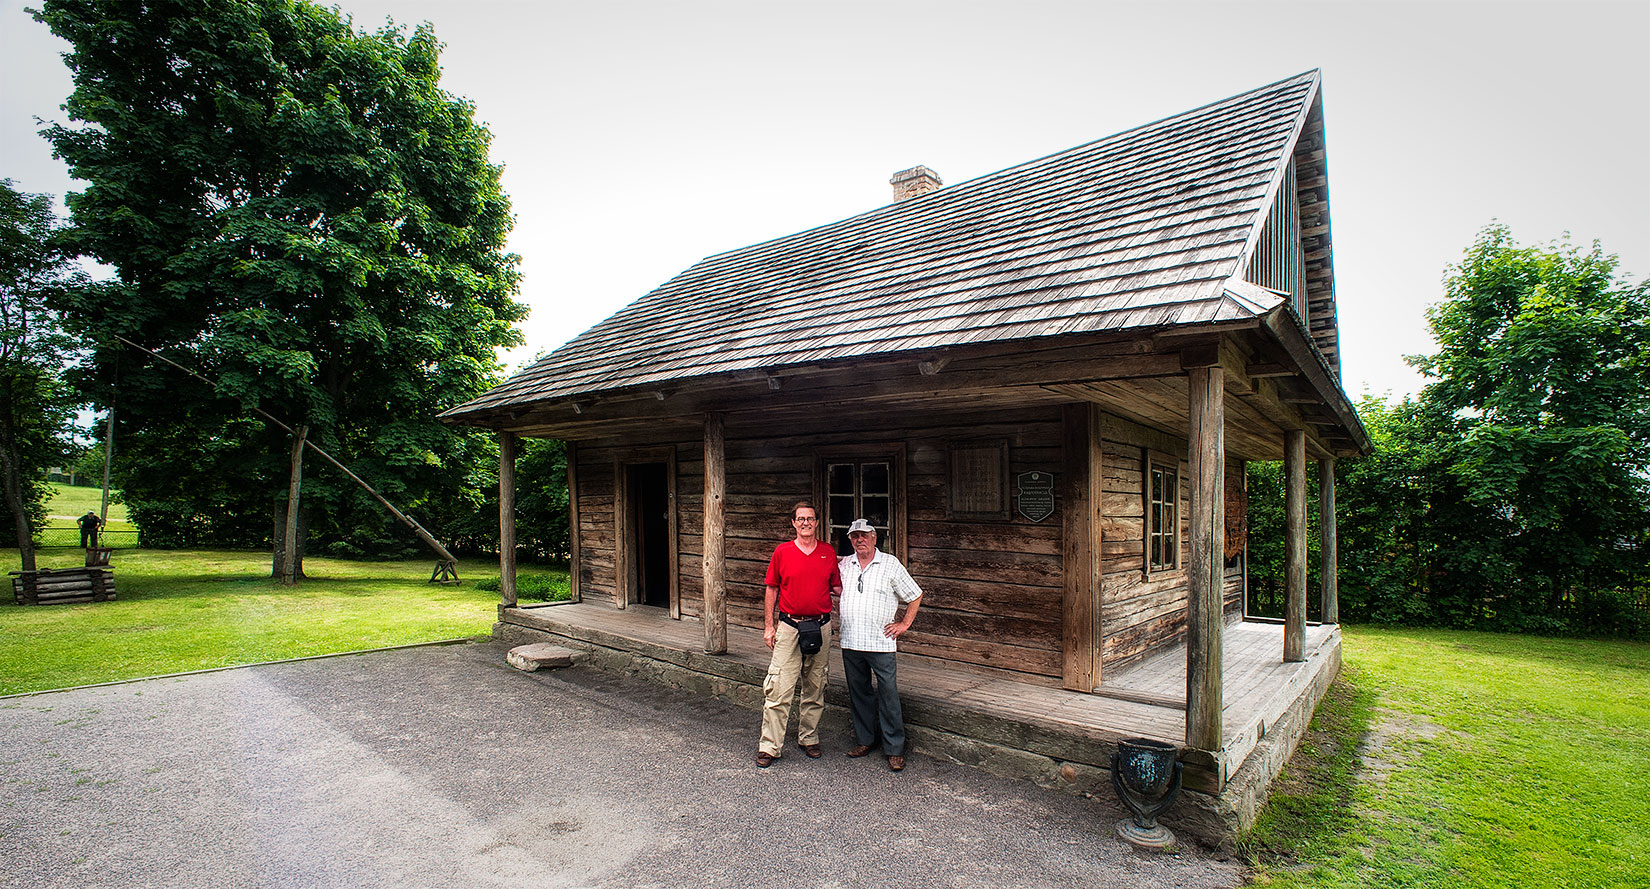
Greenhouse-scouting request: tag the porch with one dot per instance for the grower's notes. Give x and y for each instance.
(1008, 722)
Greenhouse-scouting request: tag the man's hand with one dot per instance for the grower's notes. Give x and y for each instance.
(895, 629)
(770, 635)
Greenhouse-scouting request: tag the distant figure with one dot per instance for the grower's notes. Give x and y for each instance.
(88, 529)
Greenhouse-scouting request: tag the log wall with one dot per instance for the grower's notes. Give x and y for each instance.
(992, 587)
(1141, 611)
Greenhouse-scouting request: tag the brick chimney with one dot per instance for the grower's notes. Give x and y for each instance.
(914, 182)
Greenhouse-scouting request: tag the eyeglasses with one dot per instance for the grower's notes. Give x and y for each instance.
(806, 521)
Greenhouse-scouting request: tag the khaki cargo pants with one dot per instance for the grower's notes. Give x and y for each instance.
(780, 686)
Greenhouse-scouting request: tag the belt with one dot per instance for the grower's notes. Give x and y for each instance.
(793, 618)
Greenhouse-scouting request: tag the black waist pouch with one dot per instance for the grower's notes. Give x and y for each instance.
(808, 637)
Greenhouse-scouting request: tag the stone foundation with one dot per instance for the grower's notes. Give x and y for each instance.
(1212, 820)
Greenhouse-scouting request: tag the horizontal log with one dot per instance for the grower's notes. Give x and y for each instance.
(1007, 599)
(67, 587)
(1022, 568)
(68, 600)
(61, 573)
(1131, 584)
(1007, 657)
(1042, 633)
(1130, 503)
(997, 536)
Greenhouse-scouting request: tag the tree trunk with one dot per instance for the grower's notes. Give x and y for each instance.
(14, 500)
(279, 555)
(292, 561)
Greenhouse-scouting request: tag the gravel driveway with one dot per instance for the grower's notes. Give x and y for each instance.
(441, 766)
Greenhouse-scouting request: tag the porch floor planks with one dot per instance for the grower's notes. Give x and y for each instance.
(1258, 684)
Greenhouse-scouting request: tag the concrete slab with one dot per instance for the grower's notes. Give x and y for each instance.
(445, 767)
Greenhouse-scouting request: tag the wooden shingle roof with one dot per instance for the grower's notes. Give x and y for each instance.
(1143, 229)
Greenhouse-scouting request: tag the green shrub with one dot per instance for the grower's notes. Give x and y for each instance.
(533, 587)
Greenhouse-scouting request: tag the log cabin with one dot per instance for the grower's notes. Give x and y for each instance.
(1041, 386)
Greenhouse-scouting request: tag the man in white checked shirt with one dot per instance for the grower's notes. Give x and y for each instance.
(874, 586)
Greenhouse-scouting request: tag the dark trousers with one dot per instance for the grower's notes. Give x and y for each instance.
(876, 712)
(88, 537)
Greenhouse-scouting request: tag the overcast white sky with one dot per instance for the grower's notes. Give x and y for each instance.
(638, 137)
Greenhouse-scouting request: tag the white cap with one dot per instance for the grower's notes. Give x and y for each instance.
(861, 525)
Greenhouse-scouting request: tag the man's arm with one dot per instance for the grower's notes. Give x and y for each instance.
(903, 586)
(770, 599)
(903, 622)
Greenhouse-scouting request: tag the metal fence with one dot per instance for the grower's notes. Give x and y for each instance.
(70, 537)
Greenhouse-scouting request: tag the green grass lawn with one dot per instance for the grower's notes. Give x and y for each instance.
(1439, 759)
(69, 503)
(1469, 759)
(189, 610)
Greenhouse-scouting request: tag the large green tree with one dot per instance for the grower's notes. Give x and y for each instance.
(1514, 491)
(297, 209)
(1539, 415)
(35, 403)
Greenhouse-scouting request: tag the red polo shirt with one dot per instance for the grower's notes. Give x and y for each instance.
(805, 580)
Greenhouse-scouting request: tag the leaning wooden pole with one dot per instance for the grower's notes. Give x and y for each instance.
(417, 529)
(507, 518)
(108, 460)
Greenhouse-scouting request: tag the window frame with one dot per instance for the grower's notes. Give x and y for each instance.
(893, 454)
(1151, 462)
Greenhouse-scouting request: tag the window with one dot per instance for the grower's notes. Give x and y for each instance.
(1162, 483)
(860, 489)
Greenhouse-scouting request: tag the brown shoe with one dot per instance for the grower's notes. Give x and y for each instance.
(812, 750)
(896, 763)
(763, 760)
(859, 751)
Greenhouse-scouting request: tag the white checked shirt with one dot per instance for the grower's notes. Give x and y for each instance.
(871, 598)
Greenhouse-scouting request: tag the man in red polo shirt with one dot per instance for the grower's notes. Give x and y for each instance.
(802, 577)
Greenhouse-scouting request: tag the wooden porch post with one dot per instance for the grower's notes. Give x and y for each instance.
(1330, 545)
(1294, 546)
(622, 530)
(571, 450)
(1080, 565)
(1207, 441)
(715, 613)
(507, 518)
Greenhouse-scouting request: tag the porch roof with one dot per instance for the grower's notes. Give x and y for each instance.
(1150, 228)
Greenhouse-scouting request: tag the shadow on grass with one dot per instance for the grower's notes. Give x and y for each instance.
(1310, 813)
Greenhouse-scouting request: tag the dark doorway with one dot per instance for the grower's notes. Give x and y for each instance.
(649, 485)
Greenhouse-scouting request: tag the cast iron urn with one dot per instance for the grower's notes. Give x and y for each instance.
(1146, 774)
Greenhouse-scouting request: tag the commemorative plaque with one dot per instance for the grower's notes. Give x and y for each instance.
(1035, 495)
